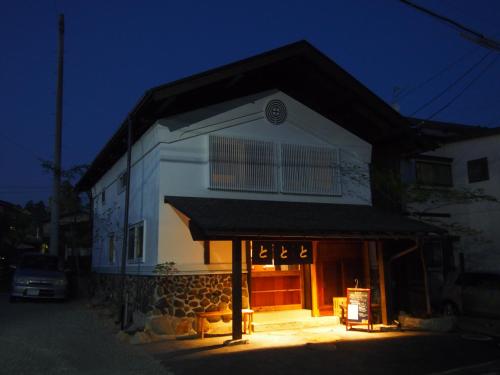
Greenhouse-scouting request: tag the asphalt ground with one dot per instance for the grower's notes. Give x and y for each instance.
(65, 338)
(70, 338)
(405, 353)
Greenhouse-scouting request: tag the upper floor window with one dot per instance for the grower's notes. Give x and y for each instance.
(122, 182)
(310, 170)
(263, 166)
(478, 170)
(136, 242)
(111, 249)
(242, 164)
(434, 173)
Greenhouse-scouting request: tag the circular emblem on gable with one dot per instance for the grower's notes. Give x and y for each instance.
(276, 112)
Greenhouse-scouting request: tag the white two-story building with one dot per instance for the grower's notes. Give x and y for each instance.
(464, 171)
(254, 179)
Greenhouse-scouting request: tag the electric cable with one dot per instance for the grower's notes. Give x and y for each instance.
(411, 90)
(475, 79)
(454, 83)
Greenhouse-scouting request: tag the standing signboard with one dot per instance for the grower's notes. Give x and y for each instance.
(358, 308)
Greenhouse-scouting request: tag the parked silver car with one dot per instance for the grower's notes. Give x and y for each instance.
(472, 293)
(38, 276)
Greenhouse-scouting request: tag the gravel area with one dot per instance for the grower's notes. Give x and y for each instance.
(65, 338)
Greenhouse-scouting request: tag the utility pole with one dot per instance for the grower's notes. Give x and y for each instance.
(125, 244)
(465, 32)
(54, 212)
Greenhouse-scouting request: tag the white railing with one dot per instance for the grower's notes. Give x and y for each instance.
(251, 165)
(310, 170)
(242, 164)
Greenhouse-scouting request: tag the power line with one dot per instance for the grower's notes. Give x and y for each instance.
(19, 145)
(450, 86)
(411, 90)
(476, 78)
(466, 32)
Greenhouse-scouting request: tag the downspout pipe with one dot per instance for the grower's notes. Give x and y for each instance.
(125, 244)
(123, 265)
(415, 247)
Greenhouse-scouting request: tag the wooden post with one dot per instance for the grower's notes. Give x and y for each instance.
(248, 258)
(56, 187)
(426, 281)
(366, 264)
(236, 293)
(381, 275)
(314, 284)
(206, 252)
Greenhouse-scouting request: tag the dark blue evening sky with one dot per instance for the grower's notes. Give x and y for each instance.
(116, 50)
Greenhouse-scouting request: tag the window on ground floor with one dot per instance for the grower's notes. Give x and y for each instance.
(478, 170)
(111, 248)
(432, 173)
(136, 242)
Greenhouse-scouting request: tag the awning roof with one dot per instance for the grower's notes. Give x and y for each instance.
(229, 218)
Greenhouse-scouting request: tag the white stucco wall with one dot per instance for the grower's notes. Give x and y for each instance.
(171, 159)
(184, 166)
(184, 152)
(109, 217)
(482, 250)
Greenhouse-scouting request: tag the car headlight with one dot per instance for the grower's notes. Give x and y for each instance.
(21, 281)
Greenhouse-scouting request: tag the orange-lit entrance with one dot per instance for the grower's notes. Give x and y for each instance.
(336, 266)
(276, 287)
(339, 265)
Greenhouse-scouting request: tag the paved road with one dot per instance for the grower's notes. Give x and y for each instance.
(405, 354)
(64, 338)
(68, 338)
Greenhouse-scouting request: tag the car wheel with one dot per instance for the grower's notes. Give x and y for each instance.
(449, 309)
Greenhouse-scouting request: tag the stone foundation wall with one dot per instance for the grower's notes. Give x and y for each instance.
(176, 295)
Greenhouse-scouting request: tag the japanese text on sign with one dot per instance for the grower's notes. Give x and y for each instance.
(281, 252)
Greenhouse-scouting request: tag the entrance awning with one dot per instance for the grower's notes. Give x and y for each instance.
(221, 219)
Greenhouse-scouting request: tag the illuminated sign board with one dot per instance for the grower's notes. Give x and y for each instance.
(281, 252)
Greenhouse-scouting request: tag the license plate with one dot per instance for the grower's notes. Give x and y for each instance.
(32, 292)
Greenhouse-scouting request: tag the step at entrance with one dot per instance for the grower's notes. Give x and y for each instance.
(290, 320)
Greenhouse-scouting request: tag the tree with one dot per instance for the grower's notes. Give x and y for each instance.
(75, 225)
(39, 216)
(14, 227)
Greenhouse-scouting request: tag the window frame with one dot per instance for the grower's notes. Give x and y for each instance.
(434, 162)
(221, 174)
(327, 168)
(111, 249)
(221, 148)
(122, 182)
(483, 174)
(137, 255)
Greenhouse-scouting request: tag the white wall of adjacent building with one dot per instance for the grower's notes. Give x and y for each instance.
(172, 159)
(481, 247)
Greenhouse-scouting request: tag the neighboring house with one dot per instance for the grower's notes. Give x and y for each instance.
(465, 169)
(268, 160)
(17, 233)
(74, 229)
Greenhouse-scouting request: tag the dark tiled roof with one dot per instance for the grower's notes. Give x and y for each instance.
(298, 69)
(447, 132)
(226, 218)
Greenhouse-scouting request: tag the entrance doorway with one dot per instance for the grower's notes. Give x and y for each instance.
(276, 287)
(339, 264)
